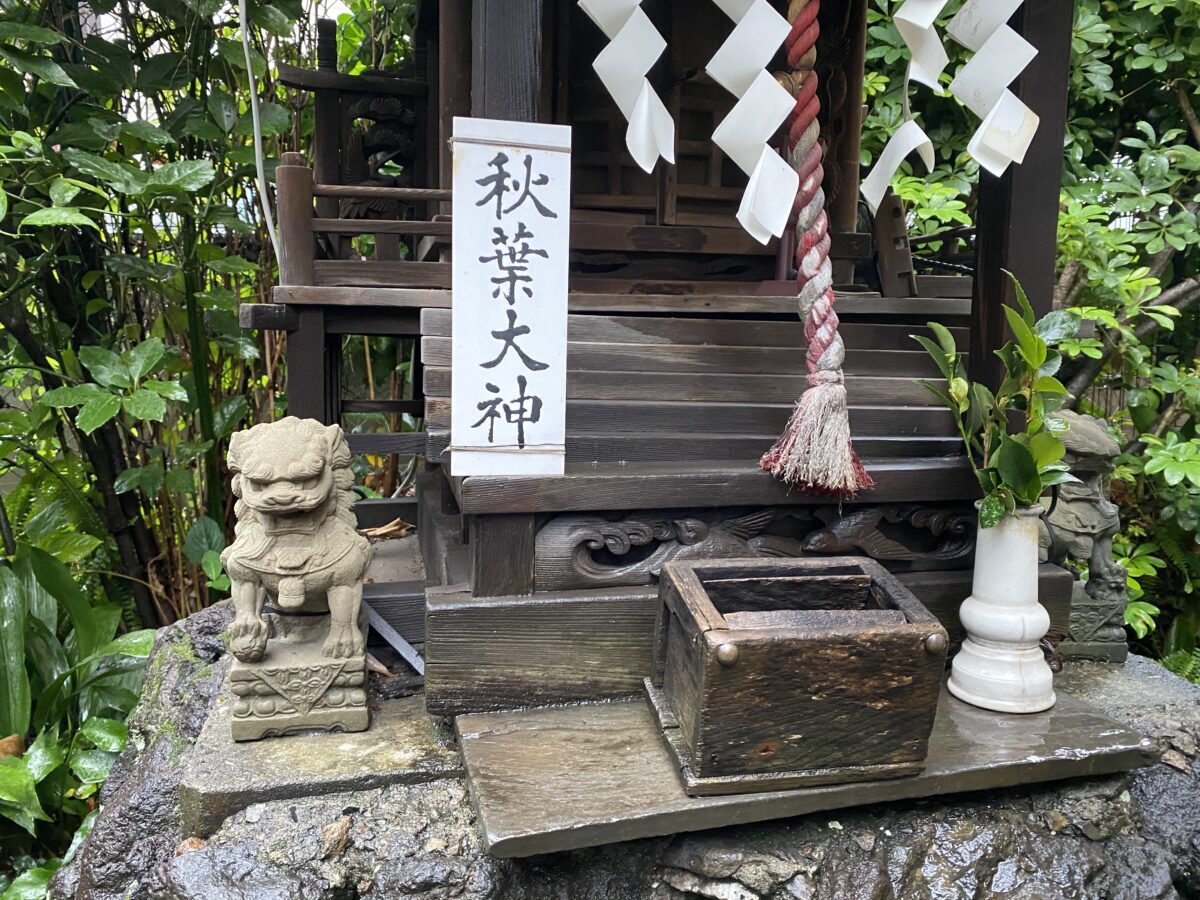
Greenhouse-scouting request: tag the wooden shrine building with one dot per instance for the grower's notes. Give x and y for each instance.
(685, 350)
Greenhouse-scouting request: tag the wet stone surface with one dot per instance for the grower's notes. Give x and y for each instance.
(1132, 836)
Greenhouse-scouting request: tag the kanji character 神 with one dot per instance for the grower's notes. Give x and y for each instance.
(516, 413)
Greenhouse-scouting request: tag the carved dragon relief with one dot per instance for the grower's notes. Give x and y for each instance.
(576, 551)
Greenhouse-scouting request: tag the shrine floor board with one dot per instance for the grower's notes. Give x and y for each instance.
(560, 778)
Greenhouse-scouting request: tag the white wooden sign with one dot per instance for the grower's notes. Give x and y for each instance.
(512, 211)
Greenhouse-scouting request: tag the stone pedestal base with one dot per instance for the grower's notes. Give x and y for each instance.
(295, 687)
(1097, 629)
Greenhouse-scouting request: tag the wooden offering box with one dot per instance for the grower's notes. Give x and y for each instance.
(773, 674)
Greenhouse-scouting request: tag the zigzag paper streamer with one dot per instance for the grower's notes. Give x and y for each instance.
(982, 84)
(927, 60)
(634, 47)
(739, 66)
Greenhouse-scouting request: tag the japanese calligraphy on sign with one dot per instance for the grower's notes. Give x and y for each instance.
(512, 206)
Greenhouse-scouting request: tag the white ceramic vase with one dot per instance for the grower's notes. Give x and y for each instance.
(1001, 666)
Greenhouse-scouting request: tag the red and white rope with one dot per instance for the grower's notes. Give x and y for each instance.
(815, 451)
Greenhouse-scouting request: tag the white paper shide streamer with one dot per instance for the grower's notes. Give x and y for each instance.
(982, 84)
(634, 47)
(927, 60)
(763, 105)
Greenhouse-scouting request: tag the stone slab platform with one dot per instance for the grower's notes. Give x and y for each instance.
(404, 745)
(562, 778)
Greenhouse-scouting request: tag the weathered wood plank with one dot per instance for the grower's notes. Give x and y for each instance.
(699, 484)
(408, 443)
(373, 192)
(614, 416)
(915, 310)
(401, 604)
(381, 226)
(720, 387)
(375, 512)
(268, 317)
(436, 351)
(502, 653)
(412, 407)
(369, 273)
(550, 780)
(744, 449)
(710, 332)
(373, 297)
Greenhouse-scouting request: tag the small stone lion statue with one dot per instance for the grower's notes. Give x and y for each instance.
(296, 542)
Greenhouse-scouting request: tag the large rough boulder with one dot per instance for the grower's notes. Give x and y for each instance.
(1132, 836)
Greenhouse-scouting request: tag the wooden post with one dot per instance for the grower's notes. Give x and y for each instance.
(1018, 213)
(454, 79)
(502, 550)
(327, 129)
(294, 181)
(506, 65)
(848, 119)
(308, 393)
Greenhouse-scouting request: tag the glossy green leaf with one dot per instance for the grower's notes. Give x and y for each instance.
(991, 511)
(171, 390)
(97, 411)
(204, 535)
(1032, 348)
(32, 884)
(63, 191)
(57, 579)
(56, 217)
(14, 691)
(34, 34)
(147, 478)
(184, 176)
(1046, 449)
(18, 791)
(39, 602)
(92, 766)
(106, 366)
(1018, 469)
(44, 755)
(144, 357)
(145, 406)
(105, 734)
(37, 65)
(137, 644)
(120, 177)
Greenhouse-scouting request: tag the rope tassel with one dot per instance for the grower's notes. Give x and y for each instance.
(815, 452)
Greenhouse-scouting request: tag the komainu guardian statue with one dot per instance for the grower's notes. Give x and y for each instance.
(296, 568)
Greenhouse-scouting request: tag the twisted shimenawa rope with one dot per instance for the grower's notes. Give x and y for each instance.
(815, 451)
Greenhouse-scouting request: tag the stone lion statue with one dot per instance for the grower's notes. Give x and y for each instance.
(296, 543)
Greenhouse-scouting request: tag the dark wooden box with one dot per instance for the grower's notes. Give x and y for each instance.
(770, 674)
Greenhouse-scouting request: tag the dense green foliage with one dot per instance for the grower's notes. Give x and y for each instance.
(1012, 437)
(130, 229)
(1129, 246)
